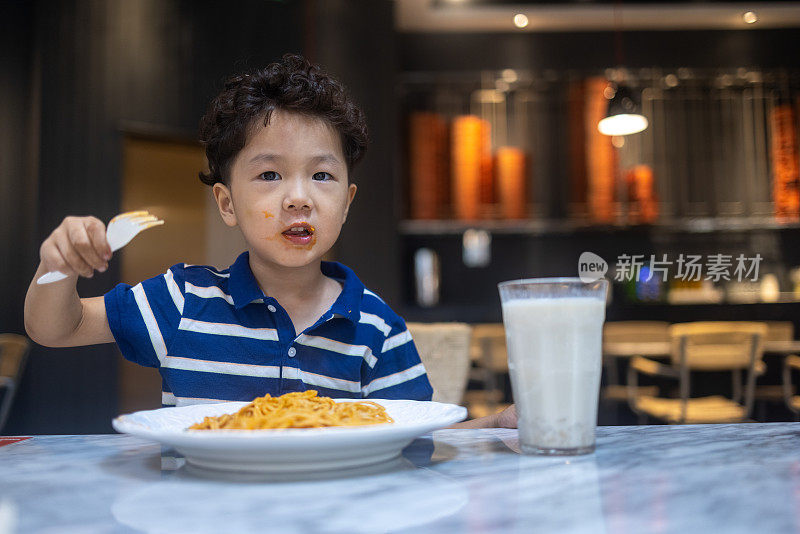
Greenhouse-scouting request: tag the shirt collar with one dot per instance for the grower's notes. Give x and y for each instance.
(244, 288)
(242, 284)
(348, 305)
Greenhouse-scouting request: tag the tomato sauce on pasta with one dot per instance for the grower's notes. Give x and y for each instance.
(302, 409)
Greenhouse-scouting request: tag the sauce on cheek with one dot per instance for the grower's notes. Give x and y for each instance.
(267, 215)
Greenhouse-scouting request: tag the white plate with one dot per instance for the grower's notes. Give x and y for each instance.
(299, 450)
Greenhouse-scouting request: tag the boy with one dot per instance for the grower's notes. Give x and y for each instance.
(281, 143)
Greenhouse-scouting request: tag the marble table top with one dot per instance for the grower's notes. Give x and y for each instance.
(664, 479)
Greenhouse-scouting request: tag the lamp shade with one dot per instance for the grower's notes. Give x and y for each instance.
(624, 116)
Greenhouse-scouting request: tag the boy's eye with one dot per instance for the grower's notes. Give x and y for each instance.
(270, 176)
(322, 176)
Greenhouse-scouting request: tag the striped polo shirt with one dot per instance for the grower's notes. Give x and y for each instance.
(214, 336)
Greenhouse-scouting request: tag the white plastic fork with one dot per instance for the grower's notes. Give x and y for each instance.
(119, 232)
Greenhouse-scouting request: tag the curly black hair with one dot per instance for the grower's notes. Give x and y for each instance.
(291, 84)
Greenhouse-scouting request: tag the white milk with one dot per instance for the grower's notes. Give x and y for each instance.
(554, 358)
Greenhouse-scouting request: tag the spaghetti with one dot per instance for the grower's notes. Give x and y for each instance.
(297, 410)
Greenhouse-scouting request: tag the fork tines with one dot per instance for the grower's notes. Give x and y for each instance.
(141, 218)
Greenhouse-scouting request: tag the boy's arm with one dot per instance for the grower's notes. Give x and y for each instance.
(505, 419)
(55, 315)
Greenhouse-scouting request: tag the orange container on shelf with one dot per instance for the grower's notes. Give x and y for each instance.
(642, 198)
(576, 124)
(601, 156)
(510, 173)
(468, 165)
(785, 164)
(487, 171)
(428, 174)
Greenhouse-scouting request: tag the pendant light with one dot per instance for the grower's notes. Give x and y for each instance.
(624, 112)
(624, 115)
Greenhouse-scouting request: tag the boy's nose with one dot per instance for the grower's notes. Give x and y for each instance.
(297, 198)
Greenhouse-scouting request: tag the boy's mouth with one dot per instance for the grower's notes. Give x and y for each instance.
(299, 233)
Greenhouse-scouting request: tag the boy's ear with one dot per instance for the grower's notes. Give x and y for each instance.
(351, 194)
(222, 194)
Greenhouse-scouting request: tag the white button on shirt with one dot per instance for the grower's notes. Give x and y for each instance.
(271, 308)
(292, 352)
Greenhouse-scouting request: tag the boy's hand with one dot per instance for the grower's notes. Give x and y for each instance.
(507, 418)
(78, 246)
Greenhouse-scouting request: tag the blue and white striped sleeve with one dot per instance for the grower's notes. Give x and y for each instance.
(398, 372)
(145, 317)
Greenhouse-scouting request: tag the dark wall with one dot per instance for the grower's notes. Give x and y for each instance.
(18, 147)
(17, 183)
(363, 58)
(595, 50)
(102, 65)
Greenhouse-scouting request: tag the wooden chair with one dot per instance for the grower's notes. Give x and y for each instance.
(444, 350)
(703, 346)
(628, 332)
(791, 363)
(13, 355)
(490, 368)
(774, 393)
(779, 330)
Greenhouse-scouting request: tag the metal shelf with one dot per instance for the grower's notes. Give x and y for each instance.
(535, 227)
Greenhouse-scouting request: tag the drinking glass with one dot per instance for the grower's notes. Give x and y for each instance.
(554, 331)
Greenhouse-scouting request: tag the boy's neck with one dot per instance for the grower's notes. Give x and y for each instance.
(287, 284)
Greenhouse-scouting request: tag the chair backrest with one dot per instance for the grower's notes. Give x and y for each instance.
(635, 331)
(717, 345)
(488, 347)
(13, 353)
(444, 350)
(779, 330)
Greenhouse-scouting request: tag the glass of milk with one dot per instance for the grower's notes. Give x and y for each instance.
(554, 329)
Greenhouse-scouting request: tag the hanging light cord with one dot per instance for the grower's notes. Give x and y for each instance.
(618, 33)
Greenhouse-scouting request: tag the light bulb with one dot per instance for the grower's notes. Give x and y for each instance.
(750, 17)
(625, 124)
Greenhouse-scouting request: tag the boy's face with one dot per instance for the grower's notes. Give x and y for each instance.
(289, 192)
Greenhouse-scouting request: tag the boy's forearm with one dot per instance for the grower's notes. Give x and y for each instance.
(52, 311)
(489, 421)
(504, 419)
